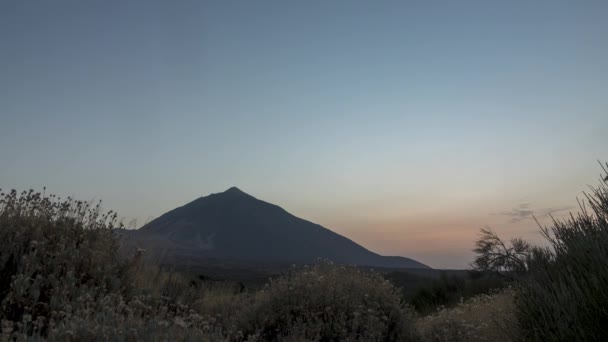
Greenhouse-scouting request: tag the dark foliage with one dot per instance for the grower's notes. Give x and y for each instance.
(564, 297)
(449, 290)
(494, 255)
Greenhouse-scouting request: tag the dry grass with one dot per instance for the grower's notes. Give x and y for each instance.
(481, 318)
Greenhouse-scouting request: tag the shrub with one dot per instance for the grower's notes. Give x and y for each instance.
(326, 302)
(56, 257)
(564, 297)
(494, 255)
(486, 317)
(62, 278)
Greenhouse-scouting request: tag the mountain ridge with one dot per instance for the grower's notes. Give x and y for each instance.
(236, 225)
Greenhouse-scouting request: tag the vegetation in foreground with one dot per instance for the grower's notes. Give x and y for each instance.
(559, 289)
(563, 296)
(482, 318)
(61, 278)
(450, 290)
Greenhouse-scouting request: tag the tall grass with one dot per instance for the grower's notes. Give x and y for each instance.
(564, 297)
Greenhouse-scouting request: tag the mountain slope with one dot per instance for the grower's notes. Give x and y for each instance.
(235, 225)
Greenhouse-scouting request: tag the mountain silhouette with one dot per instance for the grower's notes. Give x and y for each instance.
(236, 226)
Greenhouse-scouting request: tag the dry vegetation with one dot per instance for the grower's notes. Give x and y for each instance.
(61, 278)
(486, 317)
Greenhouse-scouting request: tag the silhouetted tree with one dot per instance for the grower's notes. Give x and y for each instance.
(494, 255)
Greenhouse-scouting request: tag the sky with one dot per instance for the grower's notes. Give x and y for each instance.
(404, 125)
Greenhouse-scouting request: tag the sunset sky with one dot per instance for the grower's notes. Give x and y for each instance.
(403, 125)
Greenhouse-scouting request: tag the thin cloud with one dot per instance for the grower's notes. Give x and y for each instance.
(523, 212)
(520, 213)
(555, 210)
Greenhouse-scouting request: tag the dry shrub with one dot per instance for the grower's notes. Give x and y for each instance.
(326, 302)
(57, 258)
(481, 318)
(62, 278)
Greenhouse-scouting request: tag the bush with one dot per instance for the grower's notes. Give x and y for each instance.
(564, 297)
(62, 278)
(486, 317)
(326, 302)
(493, 255)
(57, 257)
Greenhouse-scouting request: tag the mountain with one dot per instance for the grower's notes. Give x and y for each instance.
(233, 225)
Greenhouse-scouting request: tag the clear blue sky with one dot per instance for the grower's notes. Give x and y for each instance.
(404, 125)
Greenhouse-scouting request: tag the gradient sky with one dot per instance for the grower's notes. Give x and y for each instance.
(403, 125)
